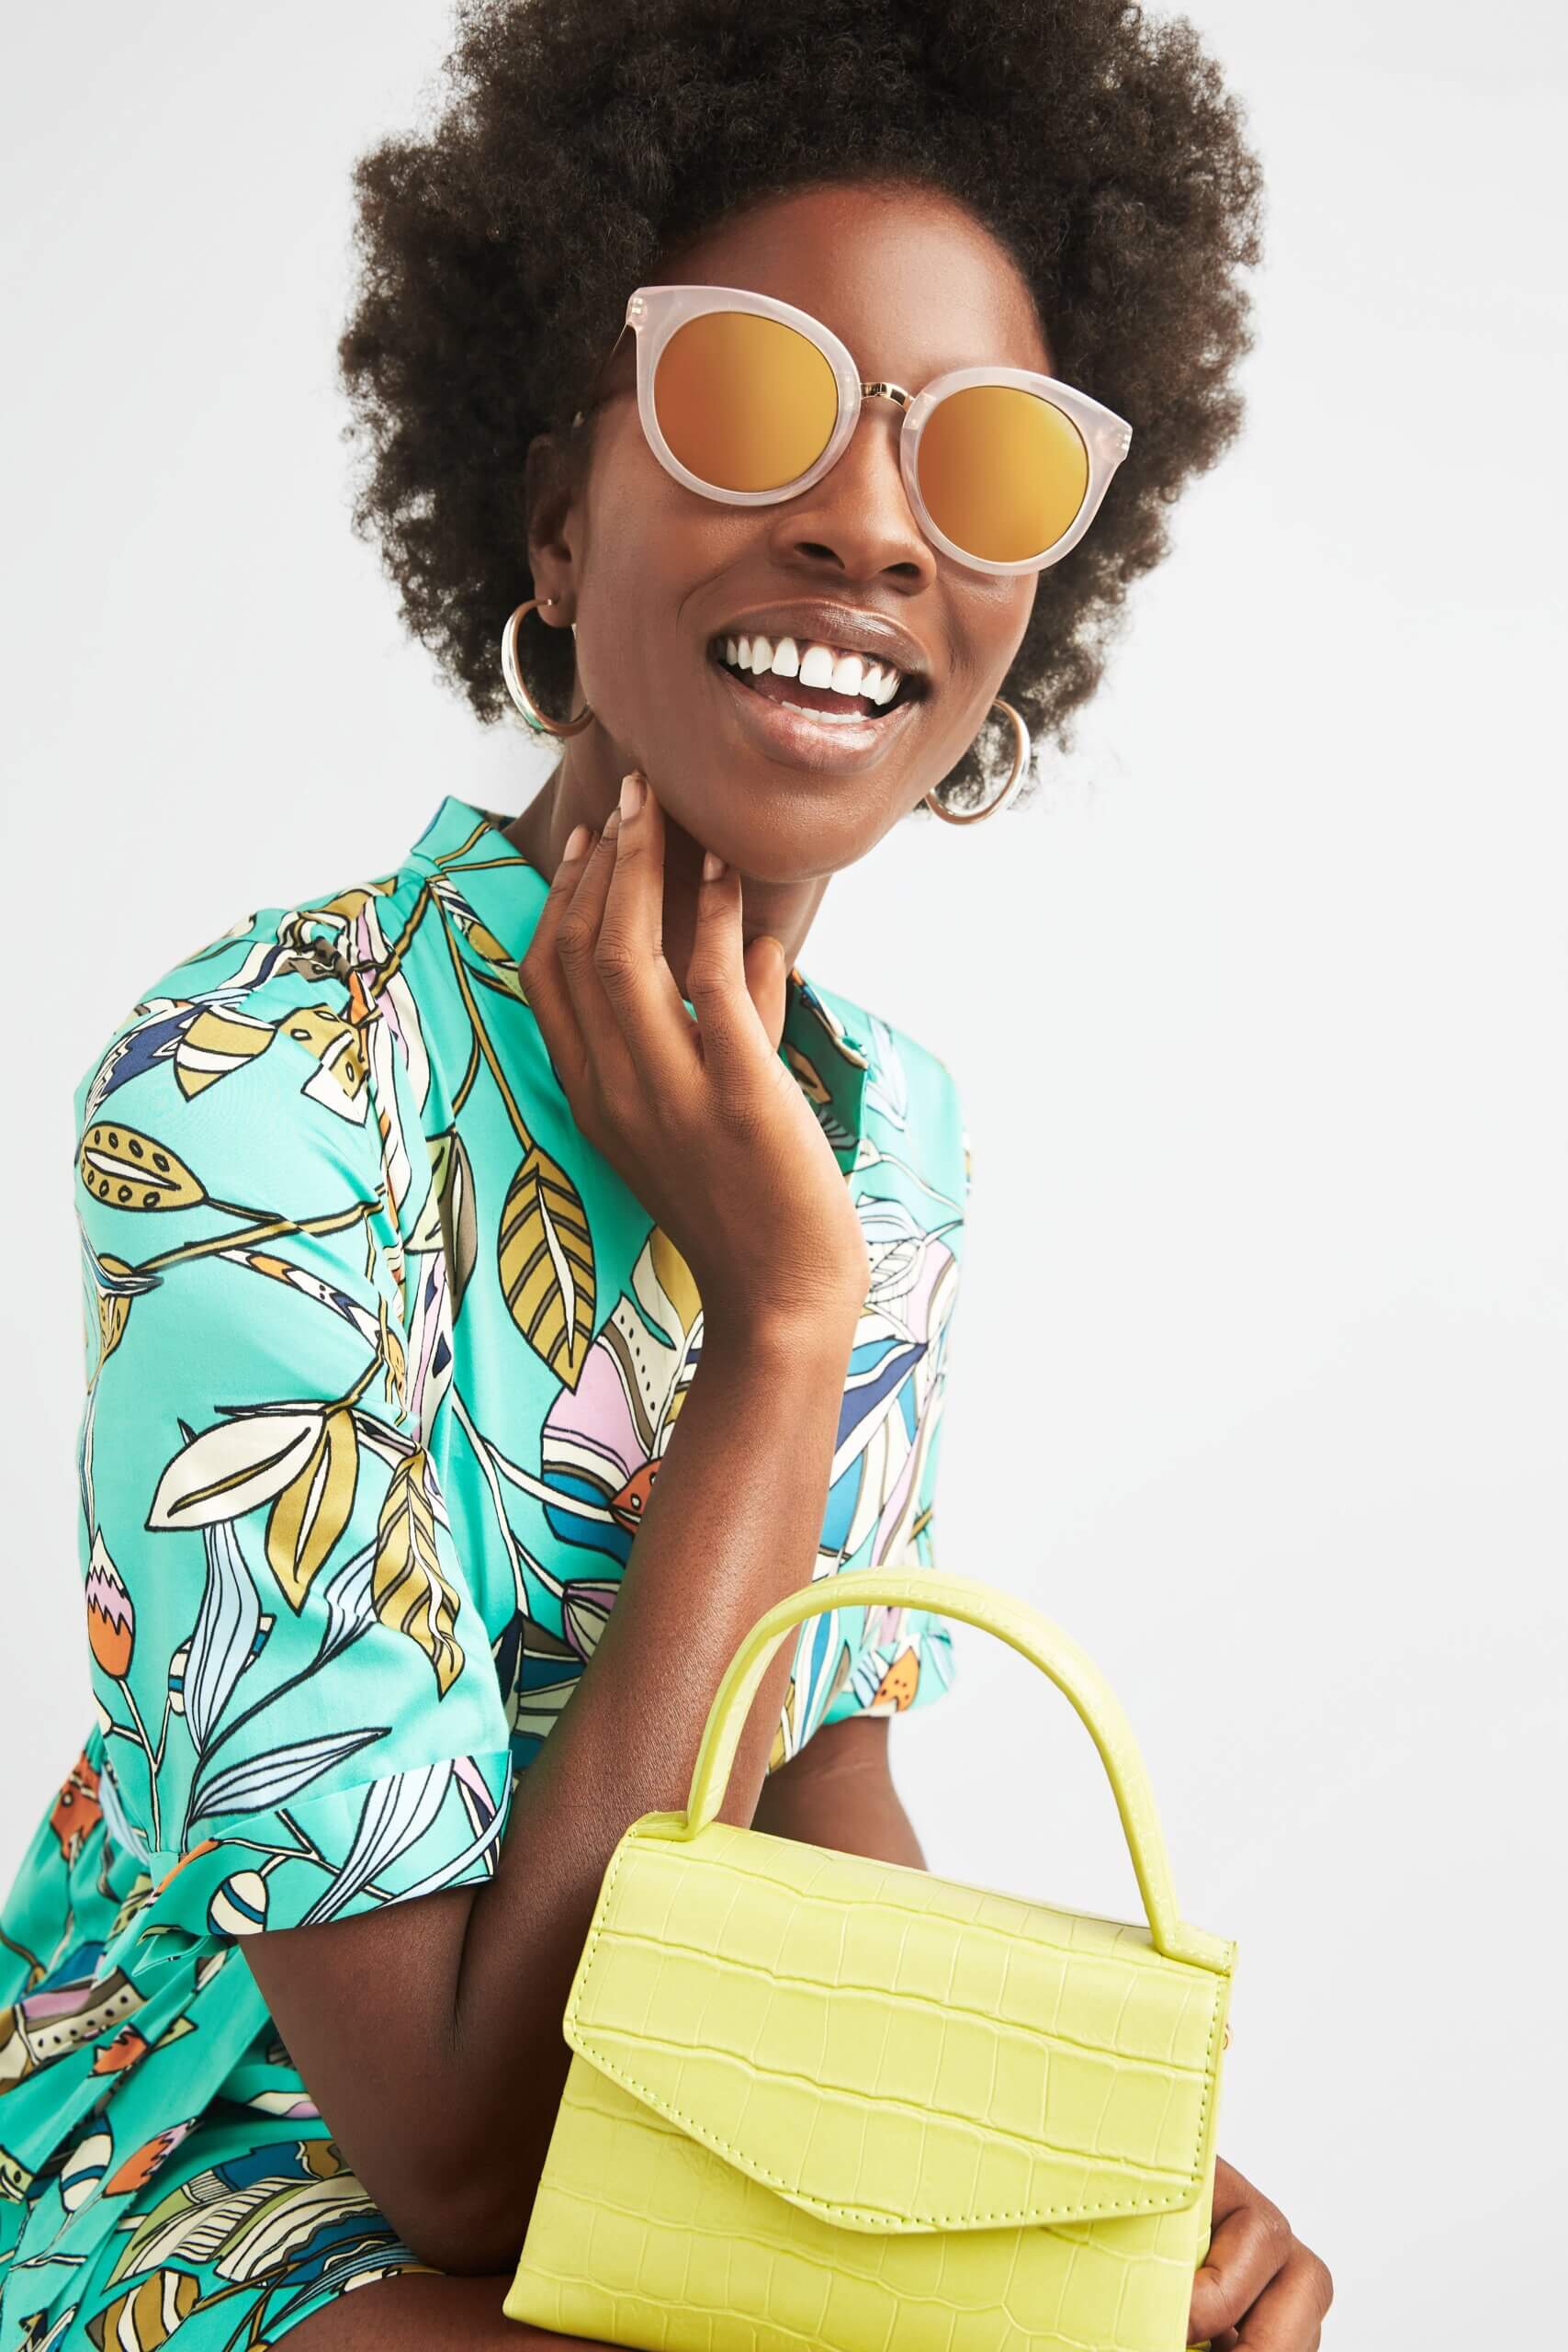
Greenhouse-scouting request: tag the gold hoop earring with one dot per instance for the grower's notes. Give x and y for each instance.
(538, 720)
(1020, 763)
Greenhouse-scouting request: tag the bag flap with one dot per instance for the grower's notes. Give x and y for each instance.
(892, 2050)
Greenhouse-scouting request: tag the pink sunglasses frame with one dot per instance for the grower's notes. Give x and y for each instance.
(655, 313)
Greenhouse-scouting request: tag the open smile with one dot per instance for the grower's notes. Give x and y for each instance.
(809, 724)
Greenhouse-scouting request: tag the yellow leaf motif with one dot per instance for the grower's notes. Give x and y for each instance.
(456, 1209)
(807, 1075)
(215, 1041)
(114, 1304)
(312, 1512)
(135, 1171)
(148, 2314)
(547, 1264)
(411, 1594)
(484, 943)
(392, 1354)
(335, 1044)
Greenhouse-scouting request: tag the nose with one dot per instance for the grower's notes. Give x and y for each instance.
(857, 519)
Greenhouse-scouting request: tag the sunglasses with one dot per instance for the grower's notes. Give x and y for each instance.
(751, 401)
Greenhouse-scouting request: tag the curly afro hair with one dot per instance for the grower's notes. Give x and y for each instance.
(585, 142)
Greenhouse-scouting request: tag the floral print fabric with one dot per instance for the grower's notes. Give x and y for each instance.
(381, 1363)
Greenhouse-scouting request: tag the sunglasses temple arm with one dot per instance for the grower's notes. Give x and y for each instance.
(603, 363)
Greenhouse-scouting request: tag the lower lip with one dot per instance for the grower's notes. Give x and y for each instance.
(806, 740)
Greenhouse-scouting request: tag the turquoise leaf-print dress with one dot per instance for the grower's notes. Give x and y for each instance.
(382, 1359)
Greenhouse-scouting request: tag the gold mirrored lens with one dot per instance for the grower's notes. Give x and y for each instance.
(1003, 472)
(744, 402)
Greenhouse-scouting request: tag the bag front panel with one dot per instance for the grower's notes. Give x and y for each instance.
(641, 2237)
(891, 2051)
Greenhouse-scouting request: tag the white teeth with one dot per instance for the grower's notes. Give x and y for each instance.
(851, 674)
(828, 718)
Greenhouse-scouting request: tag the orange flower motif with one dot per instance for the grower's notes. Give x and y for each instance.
(205, 1846)
(114, 2057)
(140, 2166)
(76, 1812)
(112, 1620)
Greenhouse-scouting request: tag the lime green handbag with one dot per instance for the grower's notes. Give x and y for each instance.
(819, 2103)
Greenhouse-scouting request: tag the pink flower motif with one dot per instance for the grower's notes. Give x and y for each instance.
(111, 1620)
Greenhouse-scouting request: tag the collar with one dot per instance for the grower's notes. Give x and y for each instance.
(824, 1043)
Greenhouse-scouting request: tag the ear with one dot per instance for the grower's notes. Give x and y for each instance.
(549, 494)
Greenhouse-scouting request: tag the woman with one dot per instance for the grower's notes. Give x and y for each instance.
(416, 1214)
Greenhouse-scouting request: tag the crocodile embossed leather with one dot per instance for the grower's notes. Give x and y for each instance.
(819, 2103)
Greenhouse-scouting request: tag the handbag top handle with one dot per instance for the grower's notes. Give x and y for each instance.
(1035, 1637)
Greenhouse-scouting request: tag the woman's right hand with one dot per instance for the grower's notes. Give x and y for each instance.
(699, 1117)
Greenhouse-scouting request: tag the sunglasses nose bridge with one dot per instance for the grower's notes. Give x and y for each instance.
(897, 393)
(907, 530)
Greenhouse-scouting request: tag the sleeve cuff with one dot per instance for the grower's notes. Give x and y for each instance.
(329, 1857)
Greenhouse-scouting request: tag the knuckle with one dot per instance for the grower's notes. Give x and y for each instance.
(615, 960)
(574, 940)
(737, 1114)
(706, 973)
(1276, 2228)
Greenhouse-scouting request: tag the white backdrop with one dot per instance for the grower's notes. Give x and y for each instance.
(1260, 1371)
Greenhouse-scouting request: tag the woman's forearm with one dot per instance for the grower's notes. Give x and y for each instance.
(732, 1524)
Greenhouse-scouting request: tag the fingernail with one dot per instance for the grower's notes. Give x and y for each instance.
(631, 794)
(713, 865)
(576, 842)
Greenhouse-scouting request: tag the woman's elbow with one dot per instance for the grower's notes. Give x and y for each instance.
(472, 2227)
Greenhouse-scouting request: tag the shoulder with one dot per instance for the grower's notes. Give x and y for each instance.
(280, 1004)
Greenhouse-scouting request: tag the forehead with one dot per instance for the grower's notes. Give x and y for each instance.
(911, 280)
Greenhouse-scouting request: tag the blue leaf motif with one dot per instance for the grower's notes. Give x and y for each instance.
(225, 1632)
(395, 1815)
(350, 1600)
(273, 1779)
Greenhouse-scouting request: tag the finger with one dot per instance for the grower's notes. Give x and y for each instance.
(544, 985)
(731, 1029)
(1249, 2247)
(767, 972)
(607, 1058)
(1288, 2315)
(629, 957)
(1231, 2188)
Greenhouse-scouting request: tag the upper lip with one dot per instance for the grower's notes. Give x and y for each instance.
(848, 626)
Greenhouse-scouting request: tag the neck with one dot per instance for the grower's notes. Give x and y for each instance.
(570, 797)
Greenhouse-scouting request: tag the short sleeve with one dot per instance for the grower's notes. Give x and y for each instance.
(298, 1706)
(905, 1657)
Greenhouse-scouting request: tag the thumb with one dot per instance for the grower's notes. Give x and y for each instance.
(766, 972)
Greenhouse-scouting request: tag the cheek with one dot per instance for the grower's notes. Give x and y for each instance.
(642, 555)
(651, 553)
